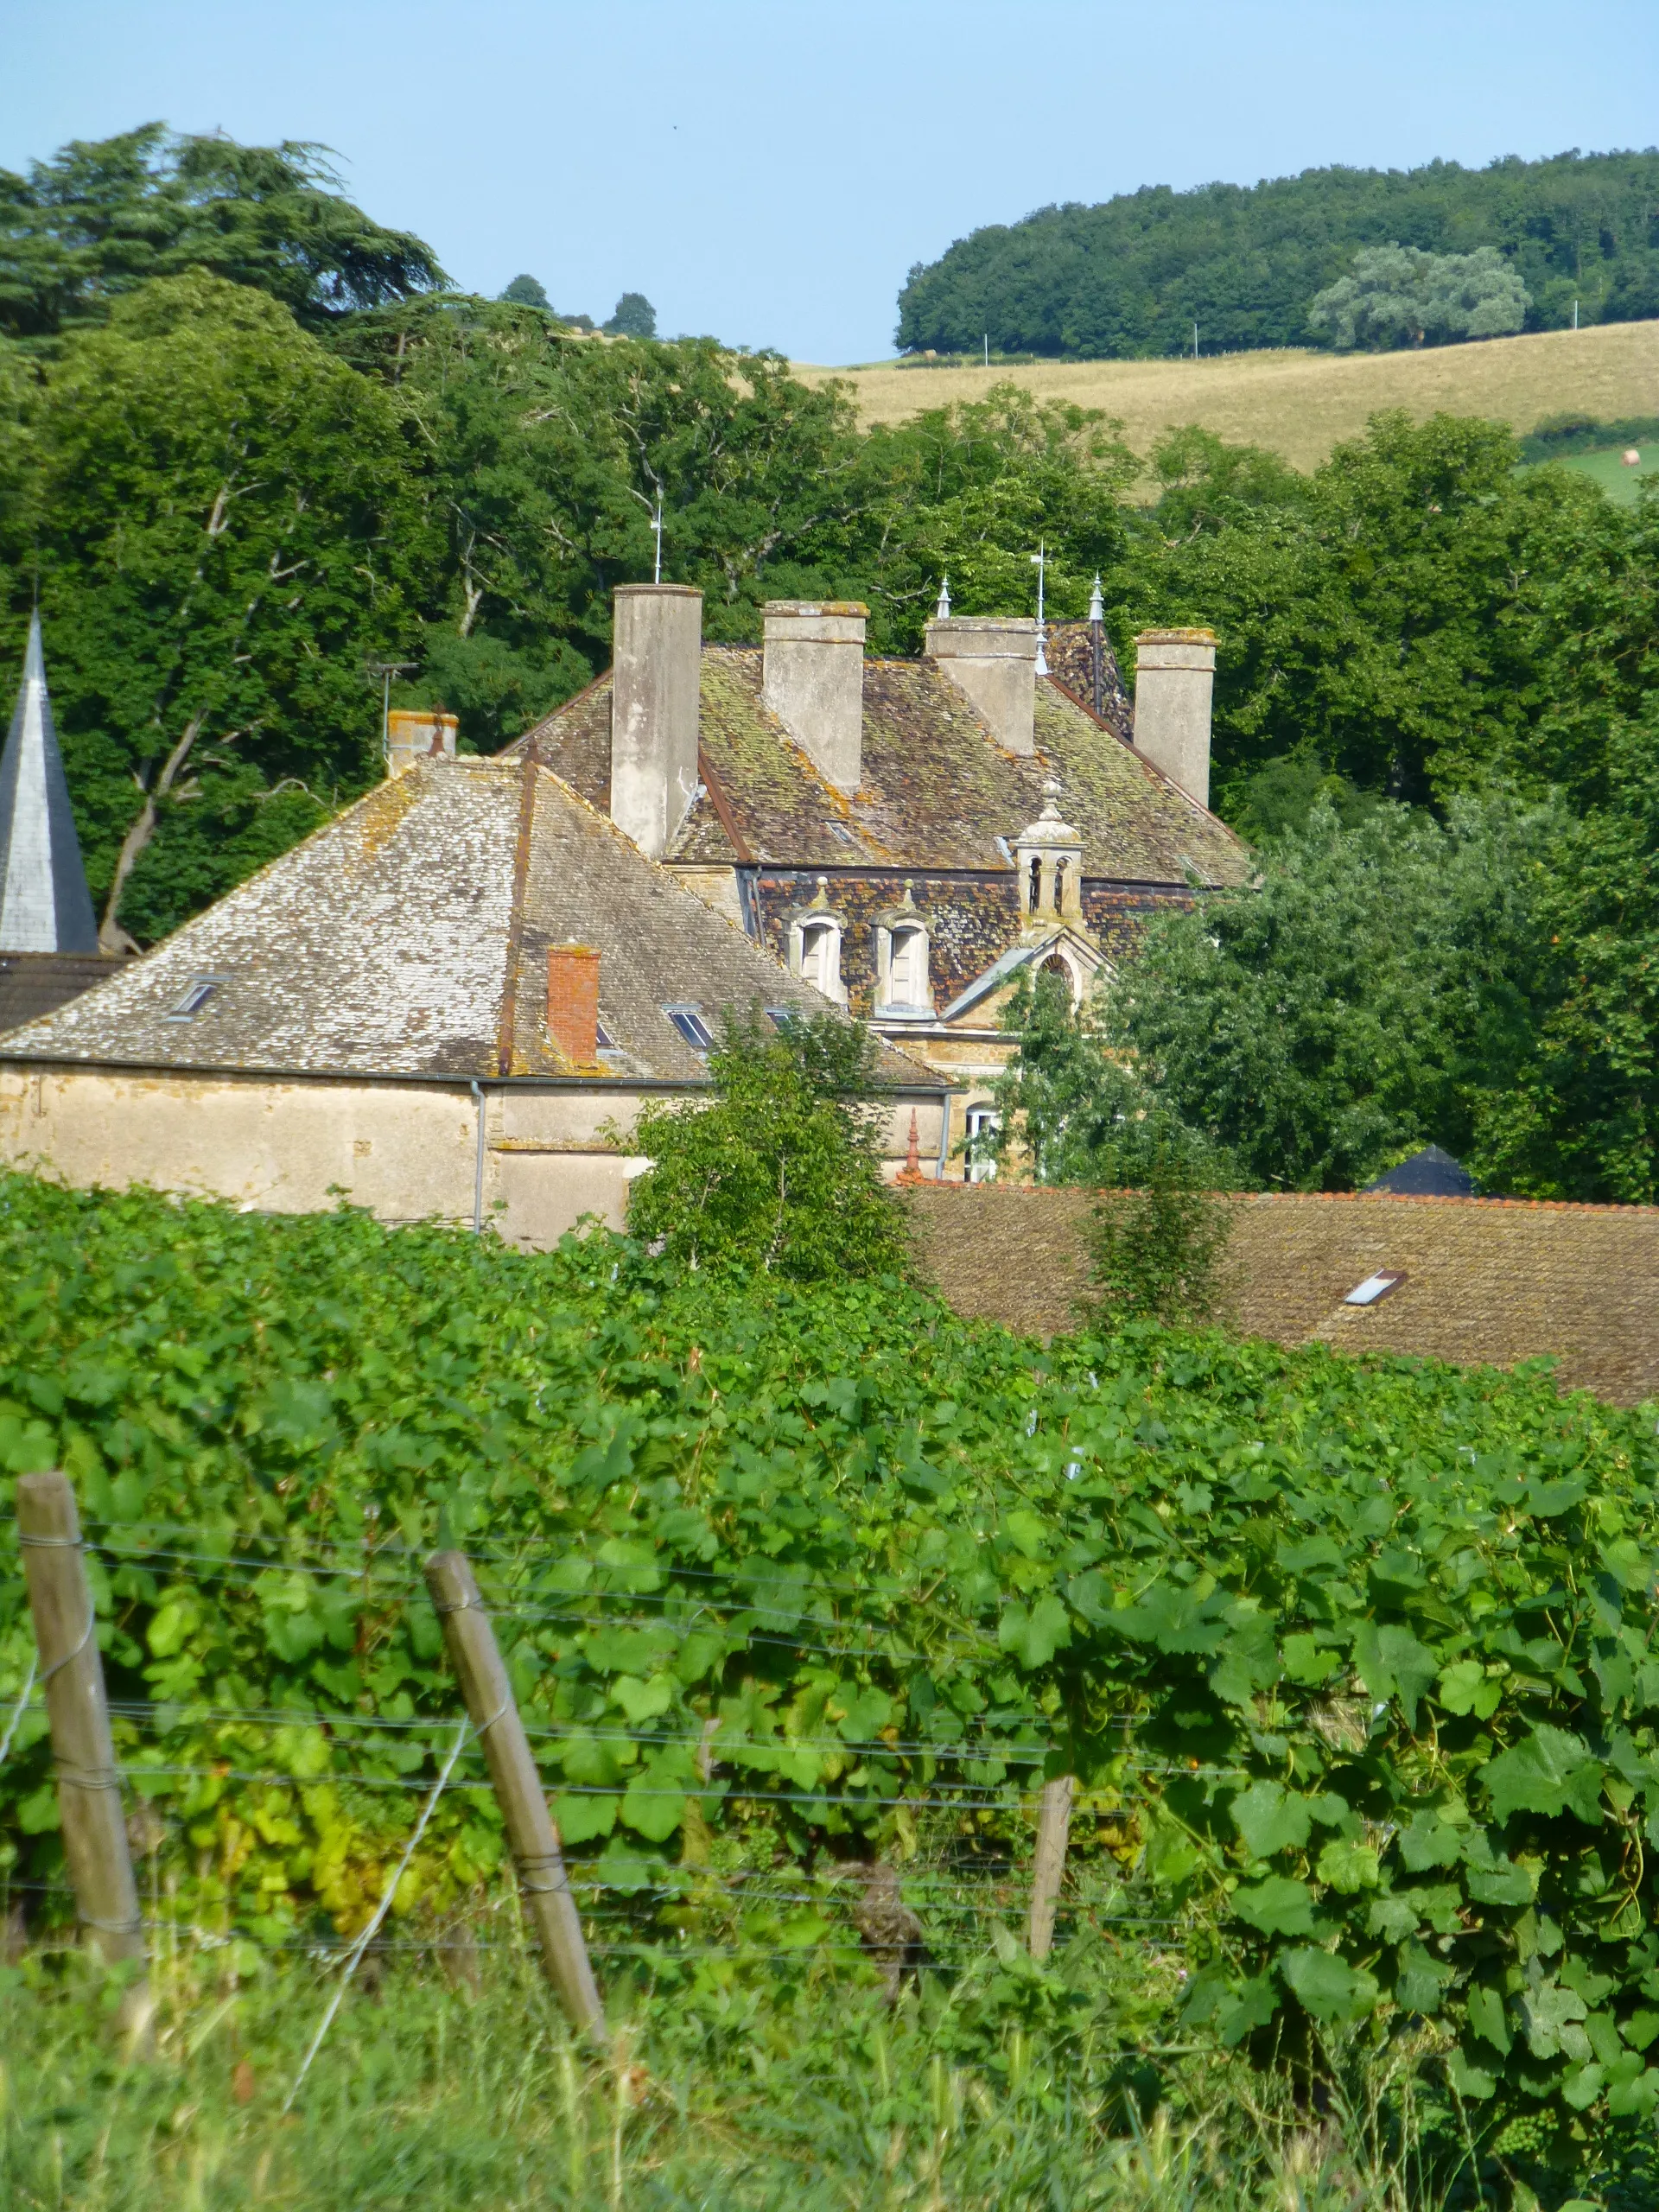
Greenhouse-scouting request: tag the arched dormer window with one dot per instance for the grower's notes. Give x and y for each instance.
(815, 939)
(903, 984)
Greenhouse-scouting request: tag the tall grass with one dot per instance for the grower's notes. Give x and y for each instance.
(450, 2081)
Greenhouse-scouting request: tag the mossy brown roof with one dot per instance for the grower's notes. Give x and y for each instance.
(936, 791)
(1487, 1281)
(409, 936)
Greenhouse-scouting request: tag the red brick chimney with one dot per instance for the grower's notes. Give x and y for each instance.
(573, 1002)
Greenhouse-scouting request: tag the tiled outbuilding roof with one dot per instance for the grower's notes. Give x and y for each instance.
(1484, 1280)
(409, 936)
(936, 792)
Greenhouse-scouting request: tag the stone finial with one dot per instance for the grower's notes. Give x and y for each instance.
(45, 906)
(942, 612)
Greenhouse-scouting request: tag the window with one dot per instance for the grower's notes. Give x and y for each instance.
(983, 1123)
(1034, 886)
(1375, 1287)
(688, 1020)
(201, 989)
(907, 966)
(781, 1016)
(821, 957)
(603, 1042)
(1059, 886)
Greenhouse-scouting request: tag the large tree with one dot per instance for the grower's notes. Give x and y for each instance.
(103, 216)
(223, 520)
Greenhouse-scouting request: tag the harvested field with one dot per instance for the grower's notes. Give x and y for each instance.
(1301, 405)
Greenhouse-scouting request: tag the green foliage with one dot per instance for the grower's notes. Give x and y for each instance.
(223, 521)
(1366, 1646)
(1375, 993)
(102, 217)
(1130, 277)
(1399, 295)
(1415, 616)
(781, 1173)
(527, 292)
(1157, 1251)
(633, 316)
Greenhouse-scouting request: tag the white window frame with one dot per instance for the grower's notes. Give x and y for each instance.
(909, 927)
(806, 925)
(981, 1120)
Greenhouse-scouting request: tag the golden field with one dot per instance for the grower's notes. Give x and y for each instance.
(1300, 404)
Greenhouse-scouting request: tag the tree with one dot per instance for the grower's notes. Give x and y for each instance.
(224, 522)
(527, 292)
(1378, 990)
(102, 217)
(781, 1174)
(632, 317)
(1399, 295)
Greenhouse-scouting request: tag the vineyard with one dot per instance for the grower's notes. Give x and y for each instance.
(803, 1596)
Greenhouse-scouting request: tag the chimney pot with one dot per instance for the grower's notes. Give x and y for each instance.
(573, 1002)
(655, 679)
(1174, 679)
(993, 659)
(419, 733)
(812, 679)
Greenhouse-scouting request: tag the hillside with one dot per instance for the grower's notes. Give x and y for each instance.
(1129, 278)
(1300, 404)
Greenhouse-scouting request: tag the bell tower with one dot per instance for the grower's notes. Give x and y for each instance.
(1048, 857)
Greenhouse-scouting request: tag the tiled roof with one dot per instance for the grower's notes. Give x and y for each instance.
(937, 791)
(1486, 1280)
(33, 983)
(409, 936)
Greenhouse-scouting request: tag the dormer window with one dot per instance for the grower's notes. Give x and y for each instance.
(903, 984)
(815, 939)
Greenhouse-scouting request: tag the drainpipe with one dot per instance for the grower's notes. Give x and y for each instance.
(478, 1172)
(945, 1134)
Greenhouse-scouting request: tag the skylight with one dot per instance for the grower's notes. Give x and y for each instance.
(777, 1015)
(1375, 1287)
(602, 1039)
(201, 989)
(688, 1020)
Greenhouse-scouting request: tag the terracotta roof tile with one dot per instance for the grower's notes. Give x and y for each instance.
(1487, 1280)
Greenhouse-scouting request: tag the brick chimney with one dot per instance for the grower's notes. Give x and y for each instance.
(1174, 677)
(573, 1002)
(657, 670)
(419, 733)
(813, 681)
(993, 659)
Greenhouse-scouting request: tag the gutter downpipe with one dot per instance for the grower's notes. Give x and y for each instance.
(945, 1134)
(478, 1172)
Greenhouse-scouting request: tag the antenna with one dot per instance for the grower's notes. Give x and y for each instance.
(1039, 561)
(385, 670)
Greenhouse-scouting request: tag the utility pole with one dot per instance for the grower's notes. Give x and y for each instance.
(385, 670)
(1038, 560)
(1195, 341)
(987, 349)
(1575, 314)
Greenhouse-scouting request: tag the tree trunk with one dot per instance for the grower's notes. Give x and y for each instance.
(112, 937)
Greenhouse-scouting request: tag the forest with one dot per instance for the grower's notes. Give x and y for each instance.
(243, 477)
(1130, 277)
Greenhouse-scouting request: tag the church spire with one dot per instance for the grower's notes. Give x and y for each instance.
(45, 906)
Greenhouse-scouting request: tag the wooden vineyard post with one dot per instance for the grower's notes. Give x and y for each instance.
(1053, 1824)
(71, 1674)
(477, 1661)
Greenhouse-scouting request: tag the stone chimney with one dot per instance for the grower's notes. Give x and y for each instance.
(1174, 677)
(993, 659)
(656, 672)
(418, 734)
(813, 681)
(573, 1002)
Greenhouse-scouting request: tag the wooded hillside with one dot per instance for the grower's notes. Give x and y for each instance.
(1130, 277)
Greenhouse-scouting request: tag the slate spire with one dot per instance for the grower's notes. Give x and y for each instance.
(45, 906)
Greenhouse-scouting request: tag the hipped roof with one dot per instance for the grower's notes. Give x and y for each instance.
(935, 789)
(409, 936)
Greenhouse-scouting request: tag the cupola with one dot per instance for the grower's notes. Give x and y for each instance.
(1049, 858)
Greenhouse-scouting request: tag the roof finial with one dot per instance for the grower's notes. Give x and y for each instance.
(942, 612)
(1097, 612)
(1039, 561)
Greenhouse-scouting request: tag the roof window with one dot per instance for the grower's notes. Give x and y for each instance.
(688, 1020)
(603, 1042)
(201, 989)
(840, 829)
(1375, 1287)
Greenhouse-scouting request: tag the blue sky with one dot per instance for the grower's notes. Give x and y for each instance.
(768, 171)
